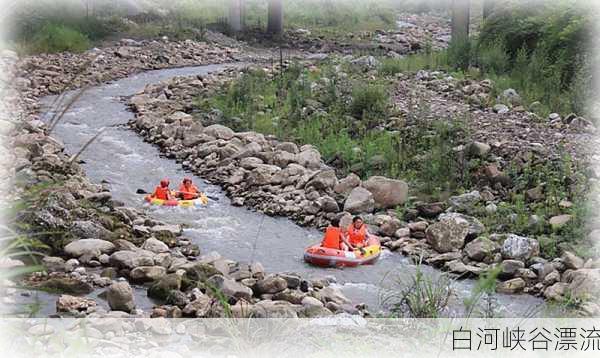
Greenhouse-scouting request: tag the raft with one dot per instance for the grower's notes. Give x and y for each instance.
(201, 201)
(326, 257)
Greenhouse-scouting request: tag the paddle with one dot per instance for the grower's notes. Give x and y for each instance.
(142, 191)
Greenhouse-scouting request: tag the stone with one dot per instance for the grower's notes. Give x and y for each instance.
(66, 285)
(345, 185)
(120, 297)
(54, 264)
(89, 230)
(465, 202)
(131, 259)
(572, 261)
(480, 249)
(327, 204)
(271, 284)
(322, 180)
(287, 147)
(219, 132)
(310, 158)
(91, 247)
(430, 210)
(333, 294)
(388, 225)
(476, 227)
(161, 288)
(273, 309)
(402, 232)
(500, 108)
(551, 278)
(519, 248)
(147, 273)
(447, 235)
(479, 149)
(387, 193)
(510, 97)
(200, 307)
(455, 266)
(511, 286)
(509, 268)
(199, 271)
(442, 258)
(559, 221)
(584, 283)
(309, 301)
(418, 226)
(68, 303)
(230, 288)
(262, 174)
(556, 292)
(360, 200)
(155, 245)
(535, 194)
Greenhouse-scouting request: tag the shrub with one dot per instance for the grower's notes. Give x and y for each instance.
(369, 102)
(58, 38)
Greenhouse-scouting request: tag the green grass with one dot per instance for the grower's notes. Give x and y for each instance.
(57, 38)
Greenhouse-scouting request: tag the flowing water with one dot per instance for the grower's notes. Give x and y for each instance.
(125, 162)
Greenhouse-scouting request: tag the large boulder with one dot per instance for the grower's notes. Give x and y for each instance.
(447, 235)
(572, 261)
(147, 273)
(514, 285)
(73, 304)
(345, 185)
(155, 245)
(387, 193)
(89, 229)
(464, 202)
(89, 247)
(130, 259)
(271, 284)
(360, 200)
(480, 248)
(584, 283)
(309, 158)
(476, 227)
(323, 180)
(262, 174)
(218, 131)
(200, 307)
(273, 309)
(120, 297)
(230, 288)
(161, 288)
(519, 248)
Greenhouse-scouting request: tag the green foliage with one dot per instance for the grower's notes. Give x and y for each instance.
(421, 297)
(369, 102)
(58, 38)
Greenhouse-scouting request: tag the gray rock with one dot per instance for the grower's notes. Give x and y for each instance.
(218, 131)
(514, 285)
(90, 247)
(147, 273)
(310, 158)
(120, 297)
(323, 180)
(501, 108)
(271, 284)
(447, 235)
(273, 309)
(155, 245)
(89, 229)
(230, 288)
(53, 264)
(476, 227)
(345, 185)
(572, 261)
(360, 200)
(131, 259)
(465, 202)
(387, 193)
(480, 249)
(519, 248)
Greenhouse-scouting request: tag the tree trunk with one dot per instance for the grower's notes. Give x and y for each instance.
(275, 25)
(235, 15)
(460, 20)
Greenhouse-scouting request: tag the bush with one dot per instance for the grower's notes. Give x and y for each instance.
(369, 102)
(58, 38)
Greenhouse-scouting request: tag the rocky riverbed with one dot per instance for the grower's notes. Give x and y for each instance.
(282, 178)
(108, 242)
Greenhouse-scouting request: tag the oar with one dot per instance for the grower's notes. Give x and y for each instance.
(142, 191)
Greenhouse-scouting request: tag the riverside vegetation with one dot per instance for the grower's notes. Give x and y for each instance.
(517, 203)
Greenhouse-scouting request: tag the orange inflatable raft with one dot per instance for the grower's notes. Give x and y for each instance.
(326, 257)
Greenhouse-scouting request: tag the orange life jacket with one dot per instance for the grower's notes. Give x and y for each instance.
(161, 193)
(333, 238)
(188, 193)
(357, 236)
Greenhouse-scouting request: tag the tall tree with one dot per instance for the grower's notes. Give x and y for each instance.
(275, 25)
(488, 7)
(235, 15)
(460, 20)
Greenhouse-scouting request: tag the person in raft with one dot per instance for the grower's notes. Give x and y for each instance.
(187, 190)
(358, 233)
(334, 237)
(162, 191)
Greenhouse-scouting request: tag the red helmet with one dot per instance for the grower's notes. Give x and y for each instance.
(164, 183)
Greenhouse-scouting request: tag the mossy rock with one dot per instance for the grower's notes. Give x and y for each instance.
(65, 285)
(162, 288)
